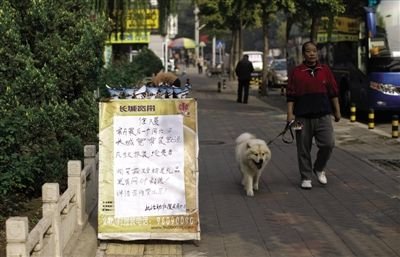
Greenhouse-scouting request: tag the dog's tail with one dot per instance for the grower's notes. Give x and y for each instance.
(244, 137)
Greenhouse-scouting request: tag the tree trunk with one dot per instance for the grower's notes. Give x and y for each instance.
(233, 54)
(289, 24)
(264, 80)
(290, 59)
(238, 47)
(235, 50)
(231, 60)
(314, 28)
(240, 39)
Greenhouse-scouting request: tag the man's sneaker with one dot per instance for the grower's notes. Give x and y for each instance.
(321, 177)
(306, 184)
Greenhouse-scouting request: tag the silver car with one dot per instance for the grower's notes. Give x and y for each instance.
(277, 76)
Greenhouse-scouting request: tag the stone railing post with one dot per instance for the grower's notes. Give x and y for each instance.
(90, 154)
(78, 183)
(17, 230)
(92, 180)
(50, 197)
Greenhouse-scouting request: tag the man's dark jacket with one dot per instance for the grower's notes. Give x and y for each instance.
(243, 70)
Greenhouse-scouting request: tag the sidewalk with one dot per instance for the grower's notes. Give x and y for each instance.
(356, 214)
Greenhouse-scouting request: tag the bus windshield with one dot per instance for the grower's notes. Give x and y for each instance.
(385, 45)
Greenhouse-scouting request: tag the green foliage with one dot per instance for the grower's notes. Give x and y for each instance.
(321, 7)
(122, 74)
(147, 62)
(50, 63)
(85, 118)
(230, 14)
(68, 43)
(30, 149)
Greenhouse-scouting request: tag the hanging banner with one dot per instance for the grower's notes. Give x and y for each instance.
(148, 170)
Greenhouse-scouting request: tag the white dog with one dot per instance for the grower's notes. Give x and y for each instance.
(252, 154)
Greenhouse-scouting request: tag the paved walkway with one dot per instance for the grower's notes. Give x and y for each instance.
(356, 214)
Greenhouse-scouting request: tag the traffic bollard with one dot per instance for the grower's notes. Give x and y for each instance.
(224, 83)
(219, 86)
(395, 126)
(371, 119)
(353, 113)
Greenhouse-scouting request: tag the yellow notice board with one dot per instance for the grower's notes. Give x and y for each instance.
(343, 29)
(148, 170)
(341, 25)
(142, 19)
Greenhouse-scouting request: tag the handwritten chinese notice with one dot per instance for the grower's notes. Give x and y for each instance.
(149, 166)
(148, 170)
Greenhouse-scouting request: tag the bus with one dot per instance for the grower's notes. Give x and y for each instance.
(364, 54)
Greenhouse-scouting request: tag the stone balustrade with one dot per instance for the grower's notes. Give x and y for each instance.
(64, 216)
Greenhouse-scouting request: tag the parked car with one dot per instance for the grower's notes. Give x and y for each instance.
(278, 76)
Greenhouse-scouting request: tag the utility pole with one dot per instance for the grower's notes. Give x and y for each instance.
(196, 29)
(214, 42)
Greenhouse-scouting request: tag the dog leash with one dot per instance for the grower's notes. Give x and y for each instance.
(287, 128)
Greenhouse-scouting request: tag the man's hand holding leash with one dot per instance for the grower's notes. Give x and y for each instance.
(289, 125)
